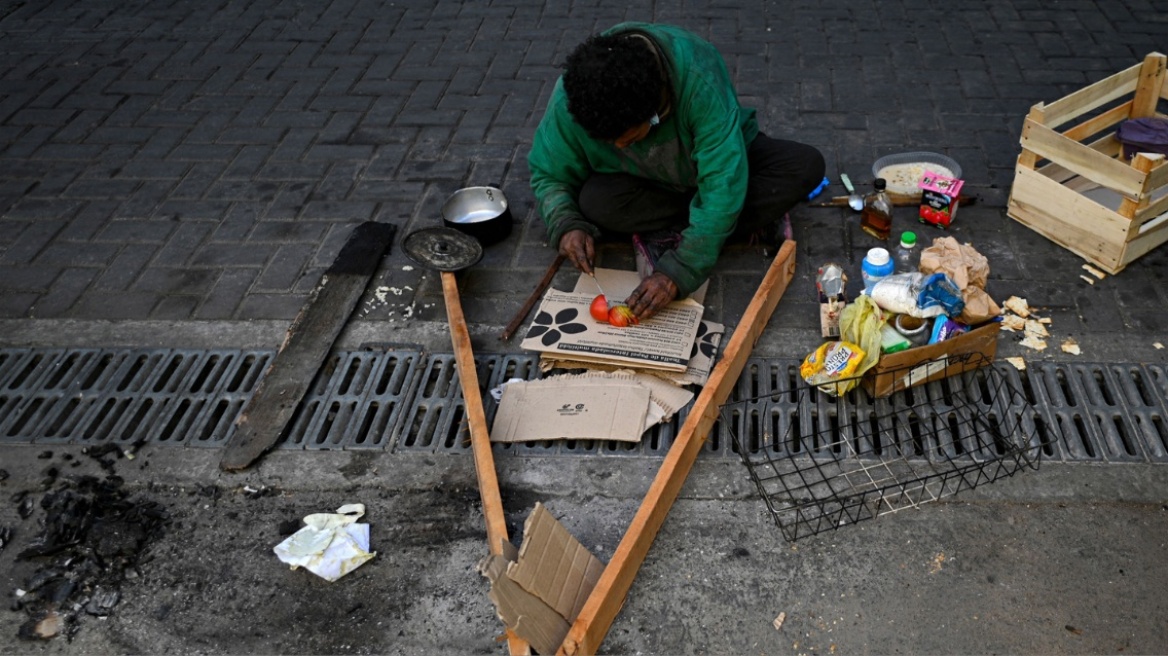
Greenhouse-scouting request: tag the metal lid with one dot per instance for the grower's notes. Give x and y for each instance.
(443, 249)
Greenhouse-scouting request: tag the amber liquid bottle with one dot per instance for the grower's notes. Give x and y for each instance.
(876, 217)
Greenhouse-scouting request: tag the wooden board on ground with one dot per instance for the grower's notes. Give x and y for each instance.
(594, 620)
(307, 344)
(480, 436)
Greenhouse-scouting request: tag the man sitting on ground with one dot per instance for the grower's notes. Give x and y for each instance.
(643, 135)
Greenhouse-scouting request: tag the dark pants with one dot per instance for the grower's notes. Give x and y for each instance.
(782, 173)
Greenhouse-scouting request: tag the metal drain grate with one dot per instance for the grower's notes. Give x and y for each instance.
(400, 399)
(1078, 412)
(125, 396)
(356, 402)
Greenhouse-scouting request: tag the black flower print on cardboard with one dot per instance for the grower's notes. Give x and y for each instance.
(704, 342)
(553, 328)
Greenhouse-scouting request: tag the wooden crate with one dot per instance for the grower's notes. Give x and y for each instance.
(1072, 183)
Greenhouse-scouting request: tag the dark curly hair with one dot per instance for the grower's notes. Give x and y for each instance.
(613, 84)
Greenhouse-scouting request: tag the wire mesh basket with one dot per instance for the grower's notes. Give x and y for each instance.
(823, 460)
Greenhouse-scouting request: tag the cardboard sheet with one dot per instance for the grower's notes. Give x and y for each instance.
(539, 592)
(665, 398)
(571, 409)
(520, 424)
(697, 372)
(563, 327)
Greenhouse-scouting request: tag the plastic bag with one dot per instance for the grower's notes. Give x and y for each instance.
(832, 367)
(860, 324)
(919, 295)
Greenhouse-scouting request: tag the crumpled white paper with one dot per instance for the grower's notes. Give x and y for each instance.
(330, 545)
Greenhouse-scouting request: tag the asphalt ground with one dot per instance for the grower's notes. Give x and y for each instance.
(180, 175)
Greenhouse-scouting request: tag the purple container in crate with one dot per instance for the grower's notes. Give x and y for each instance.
(1143, 135)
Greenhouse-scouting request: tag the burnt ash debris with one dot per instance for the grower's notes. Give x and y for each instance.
(93, 535)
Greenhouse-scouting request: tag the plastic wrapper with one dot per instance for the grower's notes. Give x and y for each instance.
(919, 295)
(944, 328)
(891, 341)
(329, 545)
(833, 366)
(860, 324)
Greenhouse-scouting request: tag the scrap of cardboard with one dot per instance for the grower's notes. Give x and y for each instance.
(574, 410)
(697, 372)
(539, 592)
(665, 399)
(593, 405)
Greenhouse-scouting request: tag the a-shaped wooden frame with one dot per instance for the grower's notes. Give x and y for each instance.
(593, 622)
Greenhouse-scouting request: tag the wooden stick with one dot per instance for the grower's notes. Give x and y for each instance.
(480, 436)
(606, 599)
(531, 300)
(897, 201)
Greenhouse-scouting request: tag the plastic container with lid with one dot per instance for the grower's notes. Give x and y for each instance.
(903, 171)
(876, 267)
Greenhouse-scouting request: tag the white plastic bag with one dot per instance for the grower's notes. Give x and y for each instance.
(330, 545)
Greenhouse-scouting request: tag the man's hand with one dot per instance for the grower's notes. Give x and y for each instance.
(654, 293)
(577, 246)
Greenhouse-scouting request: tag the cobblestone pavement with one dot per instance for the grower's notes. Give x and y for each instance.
(178, 174)
(182, 161)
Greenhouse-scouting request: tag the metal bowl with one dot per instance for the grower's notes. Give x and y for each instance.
(481, 212)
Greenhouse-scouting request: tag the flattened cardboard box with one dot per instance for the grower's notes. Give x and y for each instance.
(555, 410)
(897, 371)
(697, 372)
(593, 405)
(564, 327)
(539, 591)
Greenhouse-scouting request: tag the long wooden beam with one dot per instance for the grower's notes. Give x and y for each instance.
(594, 620)
(480, 436)
(306, 345)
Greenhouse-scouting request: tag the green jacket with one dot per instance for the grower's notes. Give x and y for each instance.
(700, 145)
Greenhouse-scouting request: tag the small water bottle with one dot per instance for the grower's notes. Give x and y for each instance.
(906, 253)
(877, 266)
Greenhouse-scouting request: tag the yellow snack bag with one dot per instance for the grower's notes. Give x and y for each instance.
(832, 367)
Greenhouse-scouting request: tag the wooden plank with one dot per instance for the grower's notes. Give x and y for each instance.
(1093, 126)
(1092, 96)
(306, 345)
(1158, 176)
(1156, 234)
(898, 200)
(1152, 211)
(591, 626)
(1149, 86)
(480, 436)
(1107, 145)
(1142, 162)
(1087, 162)
(1067, 218)
(1028, 159)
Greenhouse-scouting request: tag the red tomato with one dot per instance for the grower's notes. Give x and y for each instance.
(621, 316)
(599, 309)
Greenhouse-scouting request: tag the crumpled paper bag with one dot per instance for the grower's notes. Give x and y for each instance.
(330, 545)
(970, 270)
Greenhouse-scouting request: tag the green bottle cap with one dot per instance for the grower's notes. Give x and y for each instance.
(908, 239)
